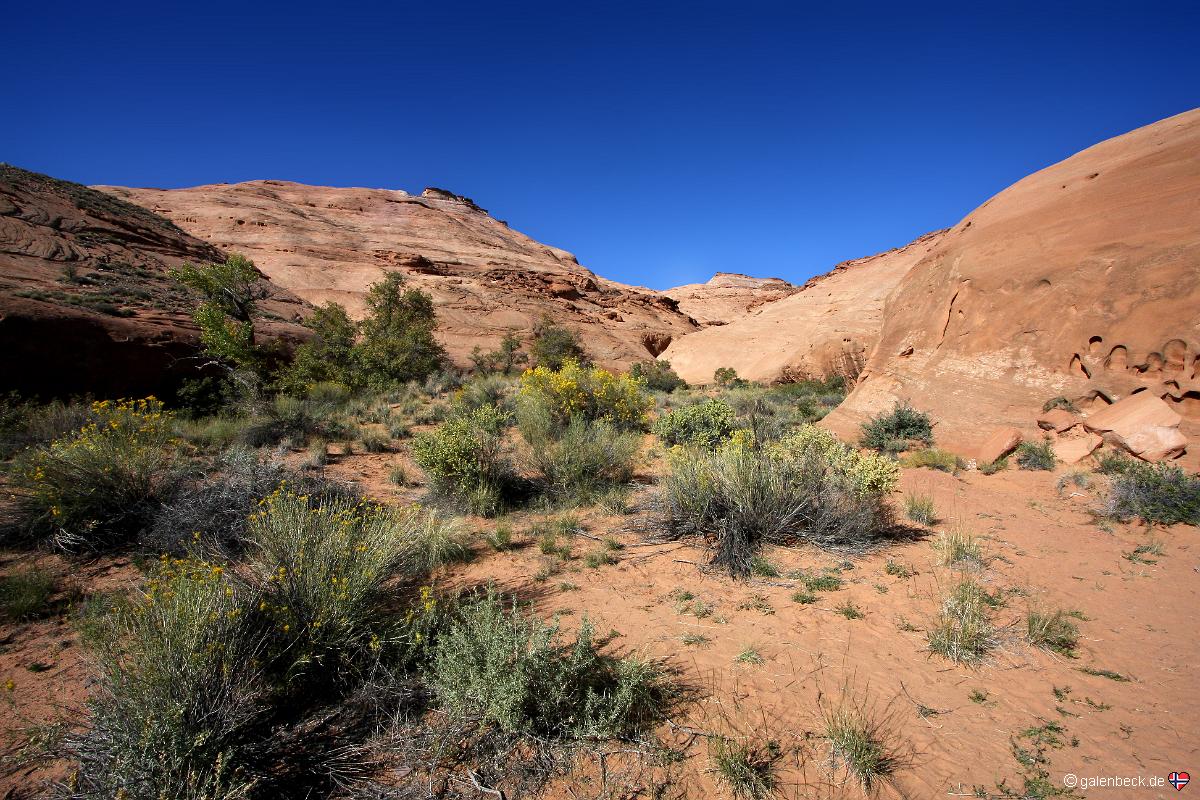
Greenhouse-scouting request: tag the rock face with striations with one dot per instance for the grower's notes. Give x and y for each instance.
(86, 304)
(727, 296)
(328, 243)
(1081, 280)
(827, 326)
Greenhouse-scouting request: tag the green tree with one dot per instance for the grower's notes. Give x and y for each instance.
(329, 356)
(554, 344)
(503, 359)
(396, 342)
(231, 291)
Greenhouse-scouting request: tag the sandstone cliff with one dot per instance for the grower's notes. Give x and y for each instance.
(826, 326)
(86, 305)
(328, 243)
(1081, 280)
(727, 296)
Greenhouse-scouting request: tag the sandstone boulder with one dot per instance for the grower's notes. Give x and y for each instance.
(1076, 448)
(1002, 442)
(1057, 420)
(1143, 424)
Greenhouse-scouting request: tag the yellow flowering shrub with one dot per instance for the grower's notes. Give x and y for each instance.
(91, 489)
(591, 393)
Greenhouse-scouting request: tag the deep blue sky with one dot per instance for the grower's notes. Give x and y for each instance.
(659, 142)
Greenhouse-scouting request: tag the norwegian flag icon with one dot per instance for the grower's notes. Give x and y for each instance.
(1179, 780)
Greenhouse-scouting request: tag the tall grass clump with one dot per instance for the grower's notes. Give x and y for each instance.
(26, 594)
(858, 738)
(747, 769)
(24, 423)
(321, 413)
(897, 430)
(467, 460)
(1154, 492)
(807, 486)
(1052, 631)
(920, 509)
(704, 424)
(520, 675)
(94, 488)
(958, 548)
(963, 630)
(579, 461)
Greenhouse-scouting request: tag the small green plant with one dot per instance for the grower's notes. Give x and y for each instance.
(992, 467)
(1052, 631)
(826, 582)
(858, 740)
(963, 630)
(26, 594)
(696, 640)
(599, 558)
(1036, 455)
(745, 768)
(1141, 553)
(919, 508)
(759, 603)
(978, 696)
(398, 476)
(1105, 673)
(804, 598)
(896, 569)
(749, 655)
(897, 430)
(763, 567)
(849, 610)
(933, 458)
(501, 539)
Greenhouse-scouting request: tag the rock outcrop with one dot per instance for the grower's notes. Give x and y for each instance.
(86, 304)
(328, 243)
(827, 326)
(727, 296)
(1080, 281)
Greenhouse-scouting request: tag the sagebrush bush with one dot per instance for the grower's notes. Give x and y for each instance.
(179, 693)
(94, 489)
(467, 460)
(704, 424)
(658, 376)
(1036, 455)
(484, 390)
(320, 414)
(519, 674)
(578, 462)
(1154, 492)
(591, 393)
(897, 430)
(807, 486)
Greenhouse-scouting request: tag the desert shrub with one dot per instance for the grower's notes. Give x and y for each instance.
(94, 489)
(396, 342)
(1059, 402)
(897, 430)
(504, 359)
(1052, 631)
(178, 698)
(24, 423)
(374, 442)
(933, 458)
(808, 486)
(501, 539)
(657, 376)
(705, 424)
(467, 461)
(319, 571)
(963, 630)
(553, 345)
(1114, 462)
(484, 390)
(208, 513)
(1154, 492)
(578, 462)
(727, 377)
(213, 433)
(518, 674)
(1035, 455)
(319, 414)
(919, 508)
(748, 769)
(26, 594)
(590, 393)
